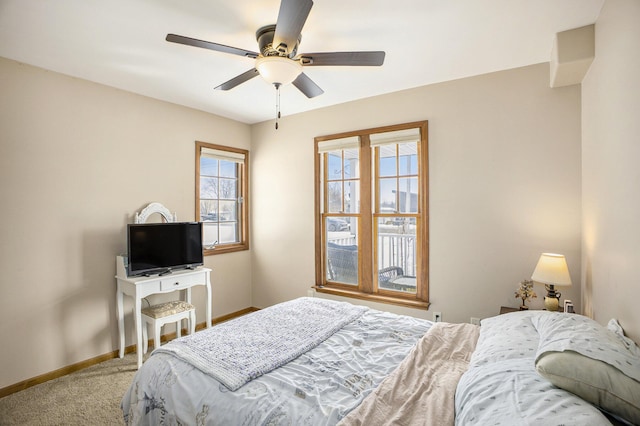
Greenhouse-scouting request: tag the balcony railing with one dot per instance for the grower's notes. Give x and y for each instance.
(393, 249)
(397, 250)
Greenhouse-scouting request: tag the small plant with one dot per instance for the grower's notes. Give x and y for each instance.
(525, 292)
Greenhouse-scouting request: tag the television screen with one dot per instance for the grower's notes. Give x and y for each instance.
(162, 247)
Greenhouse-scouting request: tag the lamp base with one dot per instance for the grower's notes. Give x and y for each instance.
(551, 304)
(552, 299)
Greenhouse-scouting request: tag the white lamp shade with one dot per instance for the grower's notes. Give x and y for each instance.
(278, 69)
(552, 269)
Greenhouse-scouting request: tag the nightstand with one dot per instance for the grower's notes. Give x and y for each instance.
(507, 309)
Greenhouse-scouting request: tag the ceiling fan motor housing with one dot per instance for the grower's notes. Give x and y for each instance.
(264, 36)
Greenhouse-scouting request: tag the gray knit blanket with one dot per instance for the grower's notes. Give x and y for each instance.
(237, 351)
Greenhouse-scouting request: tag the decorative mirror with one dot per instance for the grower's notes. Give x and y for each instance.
(143, 215)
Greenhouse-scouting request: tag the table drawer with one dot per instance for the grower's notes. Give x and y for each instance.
(175, 283)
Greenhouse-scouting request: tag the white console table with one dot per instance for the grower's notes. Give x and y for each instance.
(140, 287)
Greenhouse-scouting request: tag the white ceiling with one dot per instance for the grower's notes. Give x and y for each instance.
(121, 43)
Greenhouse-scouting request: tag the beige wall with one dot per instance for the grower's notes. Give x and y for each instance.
(77, 159)
(505, 186)
(611, 171)
(506, 162)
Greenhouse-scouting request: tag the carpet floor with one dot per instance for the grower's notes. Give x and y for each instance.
(87, 397)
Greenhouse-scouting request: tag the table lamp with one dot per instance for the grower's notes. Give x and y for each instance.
(551, 271)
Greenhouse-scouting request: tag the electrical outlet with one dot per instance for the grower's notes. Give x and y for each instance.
(437, 316)
(475, 321)
(310, 293)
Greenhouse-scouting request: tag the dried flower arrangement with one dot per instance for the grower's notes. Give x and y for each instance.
(525, 292)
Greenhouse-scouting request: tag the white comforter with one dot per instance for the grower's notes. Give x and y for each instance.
(318, 388)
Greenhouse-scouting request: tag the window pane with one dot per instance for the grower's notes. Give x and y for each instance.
(228, 232)
(210, 231)
(208, 210)
(228, 169)
(228, 211)
(336, 225)
(208, 187)
(351, 163)
(208, 166)
(408, 160)
(335, 197)
(342, 249)
(396, 248)
(387, 160)
(334, 165)
(351, 196)
(228, 188)
(387, 195)
(408, 195)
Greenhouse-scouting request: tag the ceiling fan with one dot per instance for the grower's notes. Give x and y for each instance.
(278, 62)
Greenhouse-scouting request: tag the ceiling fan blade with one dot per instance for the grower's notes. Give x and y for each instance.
(237, 80)
(291, 18)
(174, 38)
(342, 58)
(307, 86)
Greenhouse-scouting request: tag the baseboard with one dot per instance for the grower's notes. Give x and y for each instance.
(25, 384)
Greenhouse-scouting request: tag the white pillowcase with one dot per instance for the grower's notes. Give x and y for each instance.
(581, 356)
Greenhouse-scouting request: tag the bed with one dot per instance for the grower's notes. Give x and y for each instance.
(312, 361)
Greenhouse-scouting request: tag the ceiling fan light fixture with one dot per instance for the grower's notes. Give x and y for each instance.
(278, 69)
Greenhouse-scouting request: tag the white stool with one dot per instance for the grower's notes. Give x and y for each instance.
(166, 313)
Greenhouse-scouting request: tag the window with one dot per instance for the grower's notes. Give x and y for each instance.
(372, 214)
(222, 176)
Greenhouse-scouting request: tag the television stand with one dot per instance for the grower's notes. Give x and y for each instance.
(140, 287)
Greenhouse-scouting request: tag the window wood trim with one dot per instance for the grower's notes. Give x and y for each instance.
(366, 290)
(243, 209)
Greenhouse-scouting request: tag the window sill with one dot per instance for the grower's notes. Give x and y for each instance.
(409, 303)
(225, 249)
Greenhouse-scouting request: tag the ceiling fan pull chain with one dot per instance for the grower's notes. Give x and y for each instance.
(277, 103)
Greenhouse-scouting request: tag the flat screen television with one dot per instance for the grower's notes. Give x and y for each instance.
(159, 248)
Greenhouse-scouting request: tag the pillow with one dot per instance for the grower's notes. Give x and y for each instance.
(579, 355)
(615, 327)
(502, 334)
